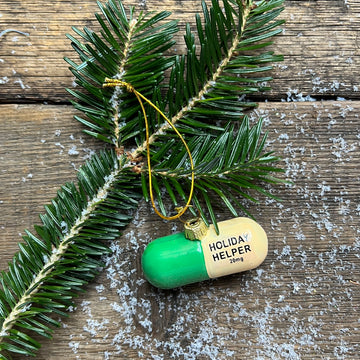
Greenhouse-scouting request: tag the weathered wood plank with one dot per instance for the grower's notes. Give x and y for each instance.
(39, 148)
(320, 43)
(321, 48)
(303, 302)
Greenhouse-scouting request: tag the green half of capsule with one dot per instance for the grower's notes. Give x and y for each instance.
(173, 261)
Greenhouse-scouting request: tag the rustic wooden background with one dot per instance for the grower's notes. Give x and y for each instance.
(303, 302)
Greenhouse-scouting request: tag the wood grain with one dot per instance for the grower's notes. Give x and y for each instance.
(320, 44)
(305, 288)
(303, 301)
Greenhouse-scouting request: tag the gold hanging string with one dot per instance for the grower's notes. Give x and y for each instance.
(116, 82)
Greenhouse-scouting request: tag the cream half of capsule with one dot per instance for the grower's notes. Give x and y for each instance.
(174, 260)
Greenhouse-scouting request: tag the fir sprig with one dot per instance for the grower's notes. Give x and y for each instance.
(130, 49)
(63, 254)
(206, 86)
(225, 165)
(209, 86)
(203, 95)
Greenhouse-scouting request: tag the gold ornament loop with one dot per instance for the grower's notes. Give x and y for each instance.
(116, 82)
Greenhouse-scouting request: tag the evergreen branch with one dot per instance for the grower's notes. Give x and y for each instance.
(129, 49)
(53, 265)
(210, 84)
(180, 87)
(201, 87)
(230, 163)
(205, 84)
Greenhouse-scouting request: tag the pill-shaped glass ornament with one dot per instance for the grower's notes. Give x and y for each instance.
(199, 253)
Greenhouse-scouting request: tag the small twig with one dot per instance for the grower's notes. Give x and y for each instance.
(354, 282)
(2, 33)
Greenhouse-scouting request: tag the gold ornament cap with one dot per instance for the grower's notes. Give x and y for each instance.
(195, 229)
